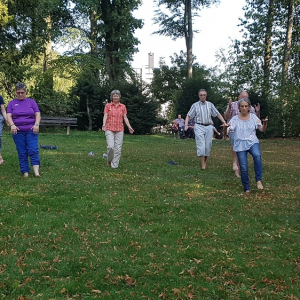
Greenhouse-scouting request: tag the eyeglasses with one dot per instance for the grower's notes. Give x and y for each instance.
(201, 95)
(20, 93)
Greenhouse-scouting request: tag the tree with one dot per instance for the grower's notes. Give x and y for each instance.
(26, 35)
(179, 22)
(266, 61)
(171, 85)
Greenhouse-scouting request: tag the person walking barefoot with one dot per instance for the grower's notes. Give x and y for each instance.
(244, 127)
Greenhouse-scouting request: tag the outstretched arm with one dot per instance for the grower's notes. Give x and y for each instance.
(220, 117)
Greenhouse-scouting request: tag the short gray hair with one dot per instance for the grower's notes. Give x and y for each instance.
(21, 86)
(202, 90)
(115, 92)
(246, 100)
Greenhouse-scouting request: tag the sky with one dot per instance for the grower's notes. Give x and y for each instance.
(217, 25)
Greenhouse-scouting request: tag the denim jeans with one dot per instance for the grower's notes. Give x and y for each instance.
(1, 129)
(181, 128)
(27, 145)
(243, 161)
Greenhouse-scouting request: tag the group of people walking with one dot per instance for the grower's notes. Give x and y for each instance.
(23, 117)
(243, 121)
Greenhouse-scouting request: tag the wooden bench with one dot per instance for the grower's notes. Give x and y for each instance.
(59, 121)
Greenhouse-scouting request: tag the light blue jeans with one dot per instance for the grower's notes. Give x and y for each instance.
(27, 145)
(243, 161)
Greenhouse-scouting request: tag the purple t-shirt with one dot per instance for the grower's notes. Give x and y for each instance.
(23, 113)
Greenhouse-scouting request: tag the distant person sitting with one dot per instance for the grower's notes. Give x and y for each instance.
(180, 123)
(190, 130)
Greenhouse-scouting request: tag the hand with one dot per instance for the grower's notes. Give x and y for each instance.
(265, 119)
(257, 107)
(131, 130)
(14, 129)
(229, 103)
(103, 127)
(35, 129)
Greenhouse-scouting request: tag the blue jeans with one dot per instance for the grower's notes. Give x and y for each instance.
(27, 145)
(181, 128)
(243, 161)
(1, 129)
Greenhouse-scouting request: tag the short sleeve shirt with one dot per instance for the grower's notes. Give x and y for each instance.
(180, 122)
(203, 112)
(115, 113)
(244, 132)
(23, 113)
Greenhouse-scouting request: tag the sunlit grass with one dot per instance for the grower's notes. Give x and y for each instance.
(148, 230)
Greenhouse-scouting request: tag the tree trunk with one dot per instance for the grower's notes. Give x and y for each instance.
(89, 114)
(286, 59)
(268, 51)
(189, 36)
(48, 77)
(288, 44)
(93, 33)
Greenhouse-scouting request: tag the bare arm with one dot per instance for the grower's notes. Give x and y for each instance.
(257, 110)
(104, 122)
(264, 126)
(3, 111)
(13, 128)
(128, 124)
(221, 119)
(186, 122)
(228, 110)
(36, 126)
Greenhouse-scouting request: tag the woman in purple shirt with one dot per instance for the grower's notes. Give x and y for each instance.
(2, 119)
(23, 117)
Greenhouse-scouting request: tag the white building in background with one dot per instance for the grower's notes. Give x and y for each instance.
(145, 73)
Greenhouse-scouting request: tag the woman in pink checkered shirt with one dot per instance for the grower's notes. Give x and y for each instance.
(115, 114)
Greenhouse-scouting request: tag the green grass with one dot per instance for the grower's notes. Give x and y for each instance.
(148, 230)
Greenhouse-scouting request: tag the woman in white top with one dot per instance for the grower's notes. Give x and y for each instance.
(244, 126)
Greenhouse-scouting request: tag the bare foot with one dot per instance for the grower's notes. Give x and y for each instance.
(203, 167)
(37, 175)
(25, 174)
(259, 185)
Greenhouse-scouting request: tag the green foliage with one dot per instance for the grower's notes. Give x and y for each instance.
(171, 85)
(148, 230)
(172, 22)
(246, 63)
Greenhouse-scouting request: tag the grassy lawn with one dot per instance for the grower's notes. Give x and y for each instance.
(148, 230)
